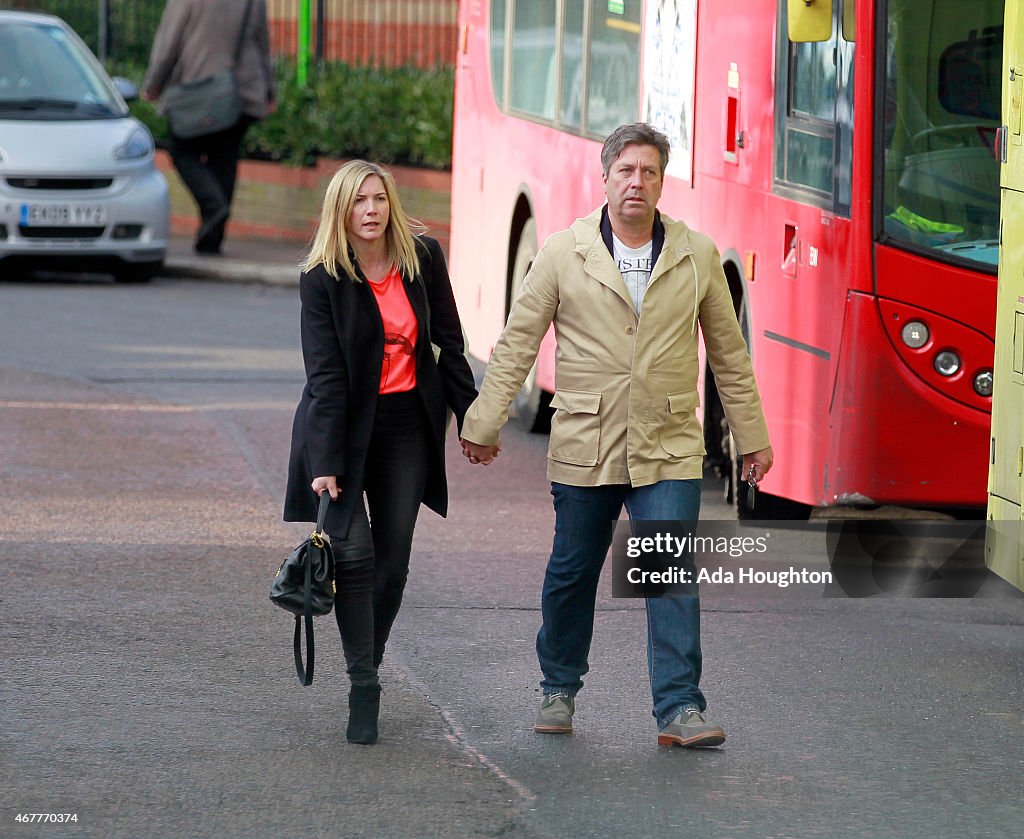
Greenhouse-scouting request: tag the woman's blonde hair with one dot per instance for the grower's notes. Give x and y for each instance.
(331, 246)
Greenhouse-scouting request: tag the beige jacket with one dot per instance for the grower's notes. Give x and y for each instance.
(626, 386)
(197, 38)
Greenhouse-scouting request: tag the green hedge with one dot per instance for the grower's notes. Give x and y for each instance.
(390, 115)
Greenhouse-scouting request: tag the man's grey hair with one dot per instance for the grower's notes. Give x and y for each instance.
(636, 133)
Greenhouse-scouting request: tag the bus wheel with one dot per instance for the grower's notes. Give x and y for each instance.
(531, 409)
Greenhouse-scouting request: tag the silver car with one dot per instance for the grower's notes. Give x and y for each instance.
(78, 187)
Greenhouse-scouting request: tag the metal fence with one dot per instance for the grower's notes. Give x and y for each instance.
(121, 31)
(377, 32)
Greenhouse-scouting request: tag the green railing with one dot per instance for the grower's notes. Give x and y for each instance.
(357, 32)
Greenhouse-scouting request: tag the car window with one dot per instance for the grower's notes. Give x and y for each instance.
(44, 68)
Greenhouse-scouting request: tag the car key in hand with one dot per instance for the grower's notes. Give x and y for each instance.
(752, 491)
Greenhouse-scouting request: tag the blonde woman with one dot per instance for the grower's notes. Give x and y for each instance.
(371, 422)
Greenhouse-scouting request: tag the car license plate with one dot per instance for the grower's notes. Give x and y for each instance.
(63, 215)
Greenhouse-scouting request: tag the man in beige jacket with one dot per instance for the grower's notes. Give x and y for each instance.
(626, 288)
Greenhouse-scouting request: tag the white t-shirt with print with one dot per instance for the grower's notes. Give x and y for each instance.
(635, 265)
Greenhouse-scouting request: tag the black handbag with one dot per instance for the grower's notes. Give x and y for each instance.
(305, 587)
(207, 105)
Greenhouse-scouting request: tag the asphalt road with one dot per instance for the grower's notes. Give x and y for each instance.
(147, 684)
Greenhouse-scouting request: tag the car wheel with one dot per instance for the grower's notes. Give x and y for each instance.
(13, 271)
(137, 272)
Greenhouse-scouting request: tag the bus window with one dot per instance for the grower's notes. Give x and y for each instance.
(498, 49)
(939, 115)
(806, 108)
(612, 94)
(569, 111)
(534, 57)
(813, 79)
(844, 124)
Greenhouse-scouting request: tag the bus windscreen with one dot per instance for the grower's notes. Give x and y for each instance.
(940, 113)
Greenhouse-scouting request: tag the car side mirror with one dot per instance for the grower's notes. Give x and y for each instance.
(129, 92)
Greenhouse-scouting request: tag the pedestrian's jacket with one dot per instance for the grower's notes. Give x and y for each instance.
(626, 394)
(343, 350)
(197, 38)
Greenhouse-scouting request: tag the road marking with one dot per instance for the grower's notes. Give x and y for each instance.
(457, 738)
(148, 407)
(454, 734)
(100, 406)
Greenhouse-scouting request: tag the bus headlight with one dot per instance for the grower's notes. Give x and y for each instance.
(983, 383)
(947, 363)
(915, 334)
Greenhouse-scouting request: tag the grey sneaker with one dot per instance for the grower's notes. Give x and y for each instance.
(555, 714)
(689, 728)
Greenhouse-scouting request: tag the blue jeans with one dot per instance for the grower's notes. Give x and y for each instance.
(584, 523)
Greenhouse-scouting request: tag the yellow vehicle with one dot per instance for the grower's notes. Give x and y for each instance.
(1004, 543)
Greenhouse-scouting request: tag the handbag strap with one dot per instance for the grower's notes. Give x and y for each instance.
(321, 514)
(241, 33)
(306, 673)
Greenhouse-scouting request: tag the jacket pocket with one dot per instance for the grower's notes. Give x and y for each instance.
(681, 434)
(575, 427)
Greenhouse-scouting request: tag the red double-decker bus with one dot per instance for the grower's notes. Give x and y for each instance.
(841, 155)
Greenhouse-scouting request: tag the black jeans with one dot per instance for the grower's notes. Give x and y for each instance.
(372, 562)
(209, 165)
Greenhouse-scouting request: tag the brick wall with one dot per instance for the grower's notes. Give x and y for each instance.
(380, 32)
(283, 203)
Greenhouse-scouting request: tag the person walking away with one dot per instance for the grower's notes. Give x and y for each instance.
(195, 40)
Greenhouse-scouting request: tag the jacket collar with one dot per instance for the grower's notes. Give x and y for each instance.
(659, 234)
(593, 243)
(671, 237)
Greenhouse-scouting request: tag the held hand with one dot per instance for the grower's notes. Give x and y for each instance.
(328, 483)
(149, 96)
(480, 454)
(756, 465)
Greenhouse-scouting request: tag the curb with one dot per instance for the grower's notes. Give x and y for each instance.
(274, 202)
(230, 271)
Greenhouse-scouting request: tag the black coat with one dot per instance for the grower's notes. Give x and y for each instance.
(343, 350)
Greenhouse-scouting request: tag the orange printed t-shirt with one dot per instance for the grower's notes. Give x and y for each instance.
(398, 373)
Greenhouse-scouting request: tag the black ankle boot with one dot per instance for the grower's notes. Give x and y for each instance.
(363, 707)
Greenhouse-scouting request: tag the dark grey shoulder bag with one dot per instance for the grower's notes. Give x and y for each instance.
(210, 104)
